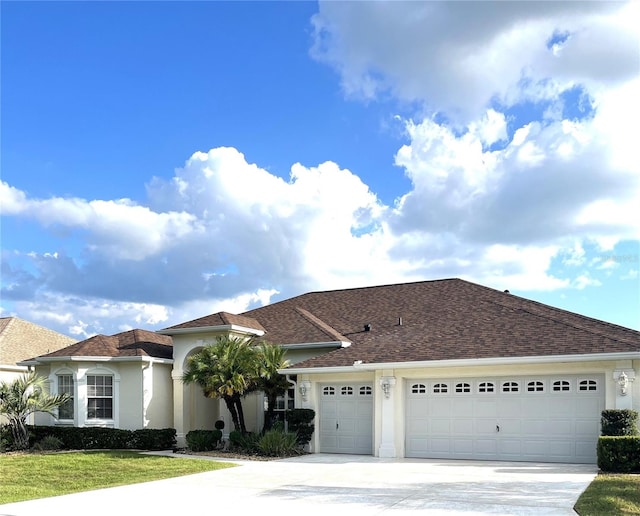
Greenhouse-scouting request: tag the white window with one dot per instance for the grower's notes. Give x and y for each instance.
(99, 397)
(328, 391)
(510, 387)
(418, 388)
(463, 387)
(440, 388)
(587, 385)
(346, 391)
(535, 386)
(561, 385)
(65, 386)
(486, 387)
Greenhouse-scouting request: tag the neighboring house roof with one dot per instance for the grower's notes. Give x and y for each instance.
(20, 339)
(440, 320)
(132, 343)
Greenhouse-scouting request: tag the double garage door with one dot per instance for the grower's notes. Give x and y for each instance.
(537, 418)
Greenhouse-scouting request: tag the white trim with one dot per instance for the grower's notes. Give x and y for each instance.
(545, 359)
(210, 329)
(42, 360)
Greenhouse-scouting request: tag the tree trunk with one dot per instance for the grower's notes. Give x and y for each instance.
(20, 433)
(231, 406)
(271, 409)
(238, 402)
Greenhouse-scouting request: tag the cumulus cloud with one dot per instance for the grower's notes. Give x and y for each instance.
(458, 57)
(493, 198)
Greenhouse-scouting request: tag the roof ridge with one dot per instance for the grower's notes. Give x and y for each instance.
(321, 325)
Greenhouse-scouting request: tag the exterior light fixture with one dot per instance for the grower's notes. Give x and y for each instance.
(386, 382)
(623, 383)
(304, 389)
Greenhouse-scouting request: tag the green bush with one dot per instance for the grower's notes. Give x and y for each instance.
(203, 440)
(618, 422)
(300, 422)
(88, 438)
(48, 442)
(277, 443)
(247, 443)
(619, 454)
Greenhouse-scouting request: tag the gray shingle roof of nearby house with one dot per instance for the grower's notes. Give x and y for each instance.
(130, 343)
(441, 320)
(20, 339)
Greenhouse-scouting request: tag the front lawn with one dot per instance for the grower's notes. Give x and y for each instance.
(610, 494)
(29, 476)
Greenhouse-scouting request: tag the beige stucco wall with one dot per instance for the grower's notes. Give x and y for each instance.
(142, 393)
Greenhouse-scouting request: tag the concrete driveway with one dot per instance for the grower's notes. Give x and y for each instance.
(333, 485)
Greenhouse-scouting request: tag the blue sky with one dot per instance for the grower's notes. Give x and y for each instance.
(166, 160)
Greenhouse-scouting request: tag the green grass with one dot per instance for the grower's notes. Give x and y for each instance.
(29, 476)
(610, 494)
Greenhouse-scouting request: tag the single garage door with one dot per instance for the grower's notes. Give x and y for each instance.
(537, 418)
(346, 418)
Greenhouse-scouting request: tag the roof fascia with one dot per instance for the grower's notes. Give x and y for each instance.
(212, 329)
(44, 360)
(545, 359)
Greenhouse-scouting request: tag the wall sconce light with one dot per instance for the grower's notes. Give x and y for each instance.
(386, 382)
(303, 388)
(623, 383)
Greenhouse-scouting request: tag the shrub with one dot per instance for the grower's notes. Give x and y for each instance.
(87, 438)
(300, 422)
(248, 442)
(619, 422)
(277, 443)
(619, 454)
(48, 442)
(203, 440)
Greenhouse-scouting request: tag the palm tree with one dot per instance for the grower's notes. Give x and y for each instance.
(271, 382)
(227, 369)
(23, 397)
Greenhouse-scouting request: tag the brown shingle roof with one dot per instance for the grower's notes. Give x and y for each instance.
(126, 344)
(20, 339)
(441, 320)
(219, 319)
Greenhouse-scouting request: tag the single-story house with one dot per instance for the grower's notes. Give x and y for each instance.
(432, 369)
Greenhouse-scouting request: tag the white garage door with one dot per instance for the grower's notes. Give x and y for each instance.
(346, 418)
(537, 418)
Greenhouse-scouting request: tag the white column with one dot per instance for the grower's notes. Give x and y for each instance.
(387, 435)
(178, 408)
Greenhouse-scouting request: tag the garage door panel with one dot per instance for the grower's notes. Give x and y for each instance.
(440, 426)
(522, 418)
(485, 408)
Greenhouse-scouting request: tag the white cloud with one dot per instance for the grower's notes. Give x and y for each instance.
(459, 56)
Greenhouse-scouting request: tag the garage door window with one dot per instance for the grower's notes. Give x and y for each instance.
(346, 391)
(561, 386)
(328, 391)
(366, 391)
(535, 386)
(510, 387)
(440, 388)
(418, 388)
(463, 387)
(486, 387)
(588, 385)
